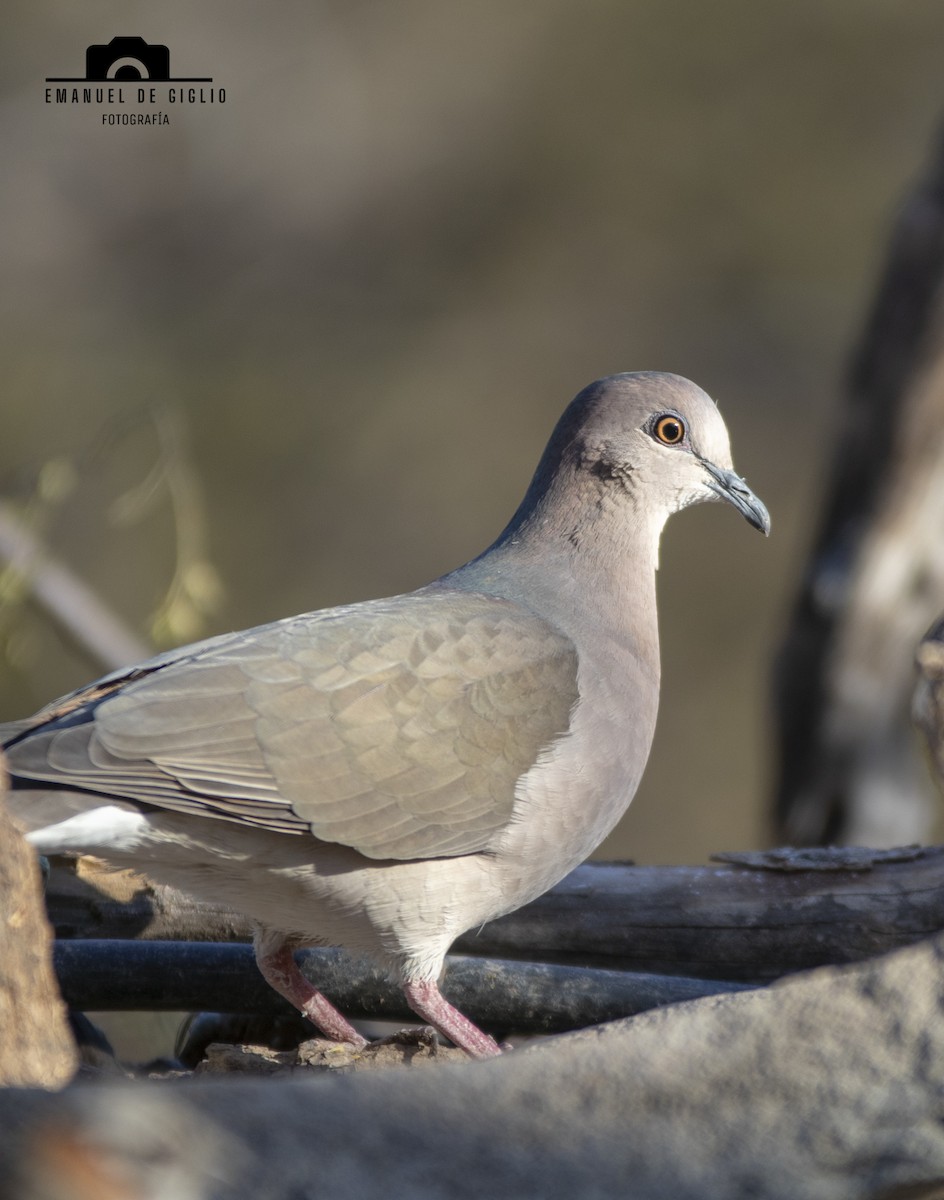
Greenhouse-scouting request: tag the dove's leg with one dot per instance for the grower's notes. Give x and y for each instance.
(428, 1002)
(274, 959)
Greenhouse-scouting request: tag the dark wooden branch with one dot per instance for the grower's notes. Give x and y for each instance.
(746, 924)
(209, 976)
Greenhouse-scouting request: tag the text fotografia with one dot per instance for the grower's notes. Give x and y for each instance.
(135, 118)
(126, 95)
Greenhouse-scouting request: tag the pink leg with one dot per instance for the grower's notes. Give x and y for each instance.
(426, 1000)
(280, 972)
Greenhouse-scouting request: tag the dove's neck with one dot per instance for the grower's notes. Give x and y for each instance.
(583, 557)
(585, 561)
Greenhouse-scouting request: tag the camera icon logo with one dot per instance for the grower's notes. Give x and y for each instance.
(131, 60)
(127, 58)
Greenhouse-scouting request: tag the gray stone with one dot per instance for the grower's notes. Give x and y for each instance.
(827, 1086)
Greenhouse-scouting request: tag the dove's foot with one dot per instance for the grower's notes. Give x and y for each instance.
(426, 1000)
(280, 971)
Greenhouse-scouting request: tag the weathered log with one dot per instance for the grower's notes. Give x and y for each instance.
(527, 997)
(740, 923)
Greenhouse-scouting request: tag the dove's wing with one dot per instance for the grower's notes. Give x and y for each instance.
(398, 727)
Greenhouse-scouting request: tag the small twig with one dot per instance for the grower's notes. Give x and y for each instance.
(65, 597)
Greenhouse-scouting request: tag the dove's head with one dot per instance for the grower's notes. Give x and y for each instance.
(654, 441)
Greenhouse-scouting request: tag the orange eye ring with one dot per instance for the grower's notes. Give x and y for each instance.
(669, 429)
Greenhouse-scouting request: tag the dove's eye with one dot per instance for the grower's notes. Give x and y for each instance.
(668, 429)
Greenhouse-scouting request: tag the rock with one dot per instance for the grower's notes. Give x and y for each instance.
(36, 1047)
(407, 1048)
(224, 1059)
(827, 1086)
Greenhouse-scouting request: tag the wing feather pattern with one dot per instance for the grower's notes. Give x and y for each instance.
(398, 727)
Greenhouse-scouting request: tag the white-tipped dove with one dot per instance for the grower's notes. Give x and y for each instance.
(387, 775)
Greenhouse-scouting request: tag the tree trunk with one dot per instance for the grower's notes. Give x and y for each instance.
(874, 581)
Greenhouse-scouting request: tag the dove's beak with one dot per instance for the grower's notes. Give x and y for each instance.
(728, 486)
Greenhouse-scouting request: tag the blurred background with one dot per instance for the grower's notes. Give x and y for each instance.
(305, 347)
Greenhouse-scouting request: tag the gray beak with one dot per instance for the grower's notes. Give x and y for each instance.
(728, 486)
